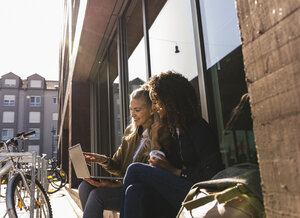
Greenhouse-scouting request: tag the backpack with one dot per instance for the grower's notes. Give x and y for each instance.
(233, 192)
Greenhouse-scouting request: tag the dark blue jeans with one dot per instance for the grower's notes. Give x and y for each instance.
(95, 200)
(152, 192)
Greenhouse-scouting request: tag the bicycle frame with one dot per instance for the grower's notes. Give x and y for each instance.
(10, 167)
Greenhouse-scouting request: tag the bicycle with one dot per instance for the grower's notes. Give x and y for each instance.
(54, 166)
(25, 196)
(55, 181)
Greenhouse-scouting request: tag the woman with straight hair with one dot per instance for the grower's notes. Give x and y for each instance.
(96, 196)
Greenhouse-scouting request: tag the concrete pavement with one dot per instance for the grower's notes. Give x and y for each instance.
(61, 202)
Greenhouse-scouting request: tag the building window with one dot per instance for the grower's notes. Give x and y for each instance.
(34, 148)
(34, 117)
(10, 82)
(226, 89)
(9, 100)
(35, 83)
(172, 39)
(221, 32)
(36, 136)
(54, 100)
(54, 132)
(135, 47)
(8, 117)
(7, 134)
(35, 101)
(55, 116)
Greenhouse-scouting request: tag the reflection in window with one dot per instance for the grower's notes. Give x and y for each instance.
(227, 99)
(171, 36)
(220, 29)
(231, 112)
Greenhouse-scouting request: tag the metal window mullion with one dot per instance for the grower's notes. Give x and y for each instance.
(146, 38)
(123, 73)
(200, 58)
(109, 105)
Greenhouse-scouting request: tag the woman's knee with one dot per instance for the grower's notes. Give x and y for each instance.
(85, 188)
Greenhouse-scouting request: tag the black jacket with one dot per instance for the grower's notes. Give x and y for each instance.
(196, 152)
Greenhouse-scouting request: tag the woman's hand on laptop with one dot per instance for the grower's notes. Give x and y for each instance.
(94, 158)
(104, 183)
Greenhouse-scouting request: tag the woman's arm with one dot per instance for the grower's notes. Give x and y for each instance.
(94, 158)
(163, 163)
(200, 149)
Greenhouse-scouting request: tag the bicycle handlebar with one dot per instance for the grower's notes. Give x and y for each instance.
(28, 133)
(20, 136)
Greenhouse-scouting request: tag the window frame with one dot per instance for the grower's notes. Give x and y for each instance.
(35, 83)
(30, 116)
(35, 103)
(9, 102)
(5, 117)
(12, 83)
(7, 135)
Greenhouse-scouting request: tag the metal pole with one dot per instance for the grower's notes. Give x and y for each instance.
(32, 202)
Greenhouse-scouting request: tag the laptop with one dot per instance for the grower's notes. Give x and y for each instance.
(80, 165)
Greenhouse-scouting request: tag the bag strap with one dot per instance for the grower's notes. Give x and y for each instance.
(222, 197)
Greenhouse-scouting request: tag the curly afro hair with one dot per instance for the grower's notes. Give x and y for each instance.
(178, 98)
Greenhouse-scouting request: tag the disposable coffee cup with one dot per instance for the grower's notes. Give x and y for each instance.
(155, 153)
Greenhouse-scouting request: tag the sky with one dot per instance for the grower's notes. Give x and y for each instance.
(30, 34)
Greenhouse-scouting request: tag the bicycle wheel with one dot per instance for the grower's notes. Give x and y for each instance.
(64, 177)
(18, 201)
(54, 181)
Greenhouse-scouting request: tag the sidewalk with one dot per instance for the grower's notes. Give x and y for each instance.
(61, 202)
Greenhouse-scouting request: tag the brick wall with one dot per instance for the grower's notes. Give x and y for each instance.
(270, 32)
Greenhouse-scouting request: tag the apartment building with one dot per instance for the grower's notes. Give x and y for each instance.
(30, 104)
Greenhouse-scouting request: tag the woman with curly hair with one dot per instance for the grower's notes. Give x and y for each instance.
(190, 152)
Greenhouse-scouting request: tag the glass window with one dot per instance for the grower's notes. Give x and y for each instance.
(171, 35)
(36, 136)
(35, 83)
(10, 82)
(7, 134)
(9, 100)
(8, 117)
(54, 100)
(220, 29)
(172, 40)
(55, 116)
(135, 47)
(35, 101)
(227, 99)
(114, 87)
(34, 117)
